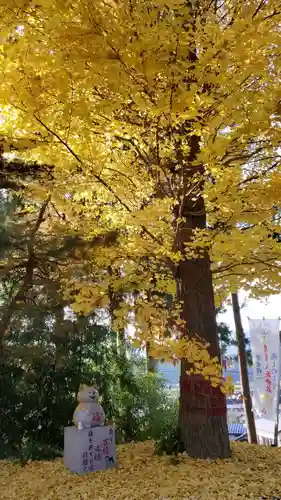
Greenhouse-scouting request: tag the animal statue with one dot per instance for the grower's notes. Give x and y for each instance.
(89, 413)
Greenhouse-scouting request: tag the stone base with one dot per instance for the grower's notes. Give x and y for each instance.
(89, 450)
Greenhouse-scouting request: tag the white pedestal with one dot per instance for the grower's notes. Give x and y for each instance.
(89, 450)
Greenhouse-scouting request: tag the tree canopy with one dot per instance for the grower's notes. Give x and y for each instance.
(103, 95)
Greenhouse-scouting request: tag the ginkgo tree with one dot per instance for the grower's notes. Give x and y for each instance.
(161, 118)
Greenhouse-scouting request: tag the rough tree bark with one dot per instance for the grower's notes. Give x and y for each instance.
(202, 416)
(242, 355)
(203, 428)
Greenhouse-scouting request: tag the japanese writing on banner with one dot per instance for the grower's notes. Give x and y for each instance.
(265, 342)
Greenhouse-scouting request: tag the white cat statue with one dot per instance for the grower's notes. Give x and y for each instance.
(89, 413)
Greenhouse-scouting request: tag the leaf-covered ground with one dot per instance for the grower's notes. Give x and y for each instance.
(252, 472)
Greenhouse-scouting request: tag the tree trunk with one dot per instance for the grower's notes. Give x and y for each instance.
(240, 337)
(202, 415)
(60, 337)
(114, 302)
(151, 362)
(203, 428)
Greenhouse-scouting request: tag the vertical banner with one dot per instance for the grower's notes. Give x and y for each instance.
(265, 343)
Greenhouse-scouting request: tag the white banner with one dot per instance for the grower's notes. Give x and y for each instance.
(265, 343)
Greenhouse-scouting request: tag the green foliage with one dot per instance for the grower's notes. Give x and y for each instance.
(145, 412)
(168, 441)
(47, 356)
(38, 387)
